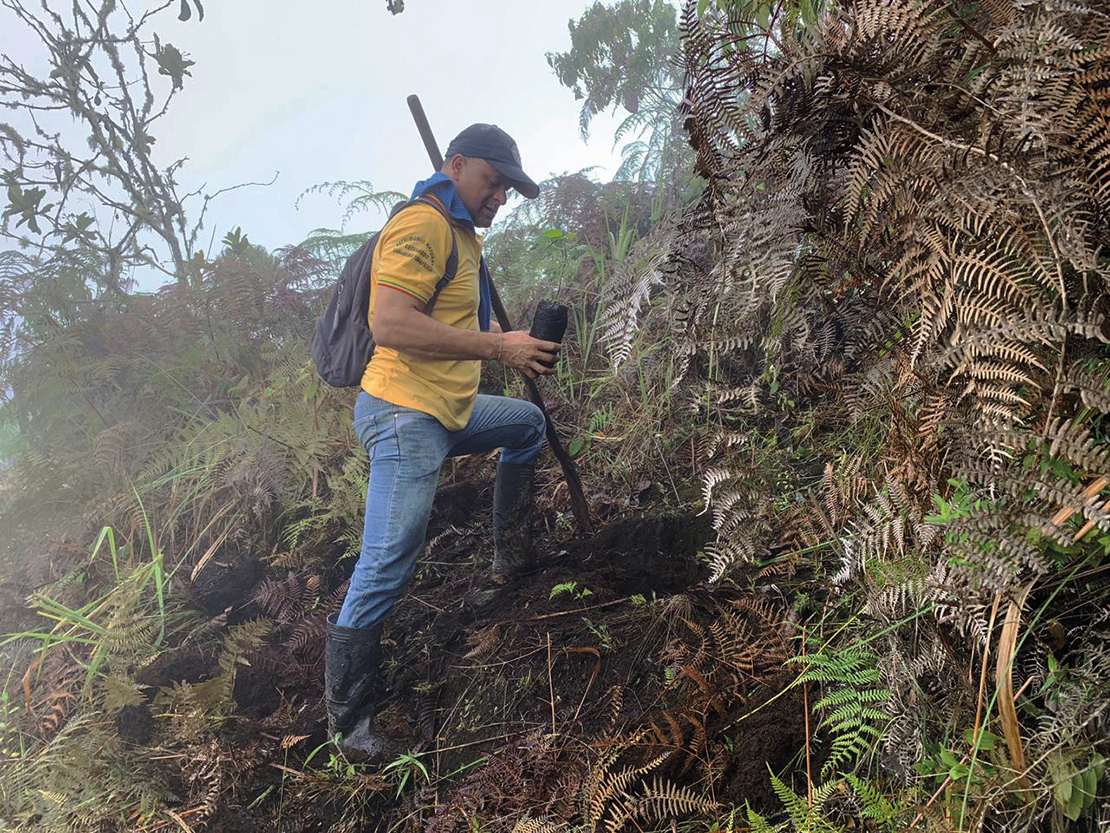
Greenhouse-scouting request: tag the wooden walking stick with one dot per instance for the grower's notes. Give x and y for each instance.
(570, 471)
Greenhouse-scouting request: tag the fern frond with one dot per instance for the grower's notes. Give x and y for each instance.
(540, 825)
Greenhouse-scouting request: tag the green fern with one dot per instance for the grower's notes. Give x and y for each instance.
(848, 709)
(195, 705)
(806, 816)
(812, 814)
(876, 805)
(759, 824)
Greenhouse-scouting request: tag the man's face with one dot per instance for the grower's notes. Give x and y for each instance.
(481, 188)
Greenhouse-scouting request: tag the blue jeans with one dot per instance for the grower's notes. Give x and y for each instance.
(407, 449)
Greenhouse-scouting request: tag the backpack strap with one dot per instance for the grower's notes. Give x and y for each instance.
(452, 265)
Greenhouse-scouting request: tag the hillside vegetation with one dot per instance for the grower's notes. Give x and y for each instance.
(837, 384)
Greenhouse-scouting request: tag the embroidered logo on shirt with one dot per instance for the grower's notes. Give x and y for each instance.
(418, 249)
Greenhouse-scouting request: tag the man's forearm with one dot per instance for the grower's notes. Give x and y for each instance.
(411, 331)
(400, 324)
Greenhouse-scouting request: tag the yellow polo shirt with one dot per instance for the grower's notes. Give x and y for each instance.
(410, 257)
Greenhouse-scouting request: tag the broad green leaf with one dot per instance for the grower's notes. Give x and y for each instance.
(1077, 798)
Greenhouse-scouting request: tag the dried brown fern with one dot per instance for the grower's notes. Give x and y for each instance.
(716, 666)
(907, 211)
(539, 825)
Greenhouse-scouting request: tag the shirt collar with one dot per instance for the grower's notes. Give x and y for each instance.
(443, 189)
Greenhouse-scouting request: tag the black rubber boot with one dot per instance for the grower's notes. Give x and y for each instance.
(352, 686)
(512, 521)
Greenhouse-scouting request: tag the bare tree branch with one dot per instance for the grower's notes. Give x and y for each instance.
(100, 79)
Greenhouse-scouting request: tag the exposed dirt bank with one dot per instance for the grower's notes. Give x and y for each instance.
(534, 699)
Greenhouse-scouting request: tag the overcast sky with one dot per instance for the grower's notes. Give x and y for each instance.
(316, 92)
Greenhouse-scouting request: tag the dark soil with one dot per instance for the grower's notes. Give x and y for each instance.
(514, 696)
(184, 665)
(135, 724)
(772, 734)
(226, 581)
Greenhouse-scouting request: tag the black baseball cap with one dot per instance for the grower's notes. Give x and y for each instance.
(490, 142)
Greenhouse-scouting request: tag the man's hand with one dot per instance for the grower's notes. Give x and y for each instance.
(400, 323)
(522, 352)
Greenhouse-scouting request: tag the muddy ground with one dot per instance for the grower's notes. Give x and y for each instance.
(575, 693)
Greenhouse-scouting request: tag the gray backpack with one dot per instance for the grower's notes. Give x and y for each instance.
(342, 342)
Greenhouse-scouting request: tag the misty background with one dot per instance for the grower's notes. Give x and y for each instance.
(295, 95)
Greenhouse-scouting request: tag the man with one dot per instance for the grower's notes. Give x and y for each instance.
(419, 404)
